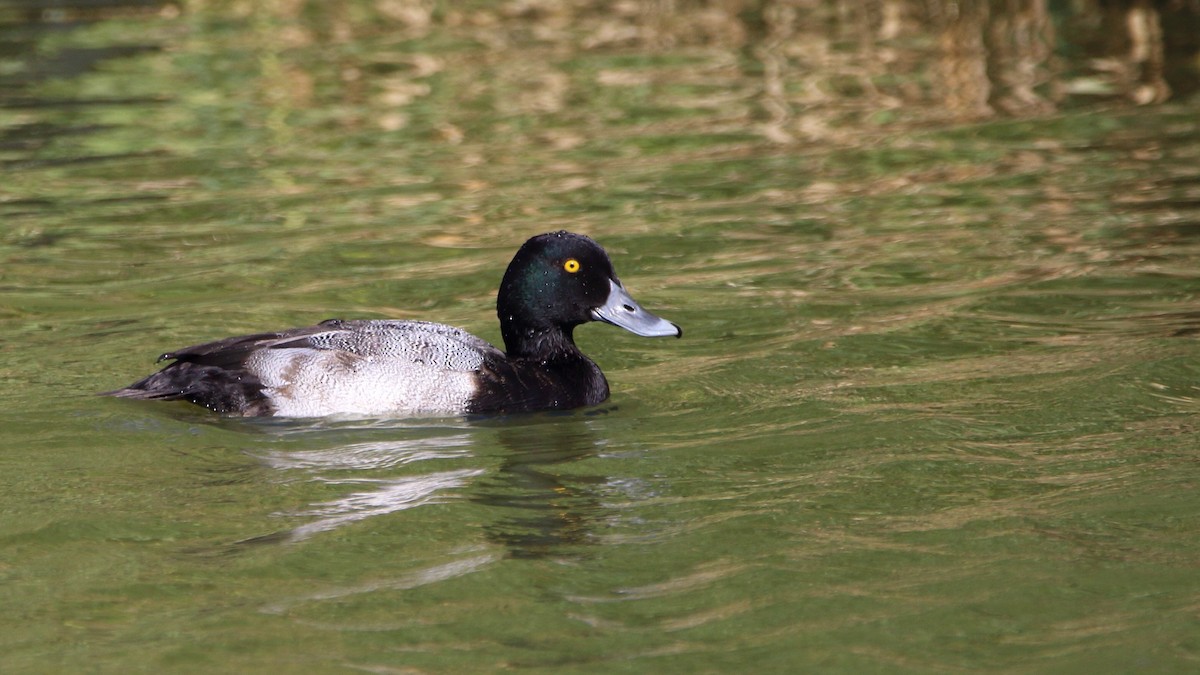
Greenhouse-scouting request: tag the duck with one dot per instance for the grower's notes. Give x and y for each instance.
(380, 367)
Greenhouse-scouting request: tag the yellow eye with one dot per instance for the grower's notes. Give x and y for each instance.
(571, 265)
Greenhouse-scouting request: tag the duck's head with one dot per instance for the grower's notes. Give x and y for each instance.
(559, 280)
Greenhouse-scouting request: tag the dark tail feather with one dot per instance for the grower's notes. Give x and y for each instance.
(132, 392)
(172, 383)
(215, 388)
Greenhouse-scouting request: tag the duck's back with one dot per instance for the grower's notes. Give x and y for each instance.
(335, 367)
(403, 341)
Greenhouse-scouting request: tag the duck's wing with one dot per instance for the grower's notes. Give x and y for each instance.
(426, 342)
(232, 352)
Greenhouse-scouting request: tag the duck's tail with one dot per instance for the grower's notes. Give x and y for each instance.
(216, 388)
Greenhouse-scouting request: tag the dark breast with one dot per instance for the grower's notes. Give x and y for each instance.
(526, 385)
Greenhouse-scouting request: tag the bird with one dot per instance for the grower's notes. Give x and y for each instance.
(398, 368)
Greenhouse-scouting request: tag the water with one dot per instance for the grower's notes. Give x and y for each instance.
(935, 407)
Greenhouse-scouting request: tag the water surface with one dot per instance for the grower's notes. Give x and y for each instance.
(935, 409)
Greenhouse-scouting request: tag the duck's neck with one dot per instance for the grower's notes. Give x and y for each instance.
(548, 343)
(554, 373)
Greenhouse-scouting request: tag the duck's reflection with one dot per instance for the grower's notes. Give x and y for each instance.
(542, 506)
(359, 466)
(537, 504)
(384, 496)
(372, 455)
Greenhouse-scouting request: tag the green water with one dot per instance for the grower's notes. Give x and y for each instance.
(935, 409)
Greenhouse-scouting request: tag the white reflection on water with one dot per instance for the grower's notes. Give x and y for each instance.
(379, 496)
(376, 455)
(388, 496)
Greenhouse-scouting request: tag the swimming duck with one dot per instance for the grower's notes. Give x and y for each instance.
(555, 282)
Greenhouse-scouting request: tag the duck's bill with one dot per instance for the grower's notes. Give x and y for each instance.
(622, 310)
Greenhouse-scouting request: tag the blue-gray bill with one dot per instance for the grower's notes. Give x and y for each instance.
(622, 310)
